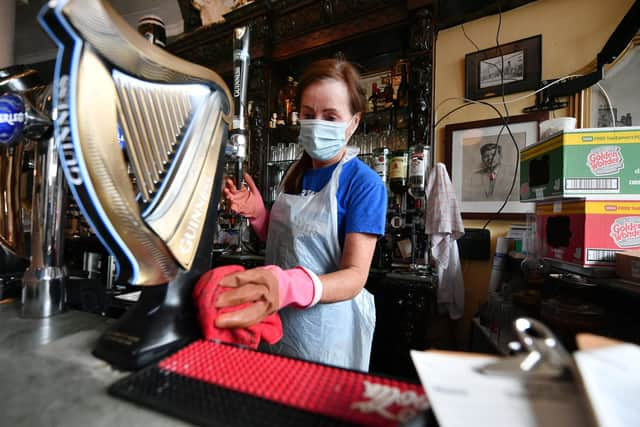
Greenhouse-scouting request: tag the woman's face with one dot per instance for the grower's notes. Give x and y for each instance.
(328, 100)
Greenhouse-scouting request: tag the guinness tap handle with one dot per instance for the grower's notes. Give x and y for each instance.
(240, 77)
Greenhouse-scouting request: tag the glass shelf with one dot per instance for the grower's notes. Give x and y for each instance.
(280, 163)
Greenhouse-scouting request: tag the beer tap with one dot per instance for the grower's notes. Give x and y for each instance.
(238, 134)
(43, 287)
(237, 148)
(20, 122)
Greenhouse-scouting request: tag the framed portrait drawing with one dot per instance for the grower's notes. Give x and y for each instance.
(483, 162)
(516, 64)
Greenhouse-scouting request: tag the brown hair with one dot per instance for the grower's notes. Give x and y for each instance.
(325, 69)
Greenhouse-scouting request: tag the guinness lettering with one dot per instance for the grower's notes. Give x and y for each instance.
(195, 221)
(236, 82)
(63, 133)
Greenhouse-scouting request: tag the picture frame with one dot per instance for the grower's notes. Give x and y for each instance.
(622, 78)
(522, 63)
(481, 190)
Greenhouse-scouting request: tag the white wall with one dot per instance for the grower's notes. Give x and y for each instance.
(7, 19)
(573, 32)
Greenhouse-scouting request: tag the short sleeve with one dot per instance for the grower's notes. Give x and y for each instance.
(366, 202)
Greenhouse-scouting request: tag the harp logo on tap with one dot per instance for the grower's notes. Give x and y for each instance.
(141, 136)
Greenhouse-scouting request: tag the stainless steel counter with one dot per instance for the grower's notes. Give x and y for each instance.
(48, 376)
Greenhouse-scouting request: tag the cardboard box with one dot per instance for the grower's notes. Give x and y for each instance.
(587, 233)
(628, 265)
(582, 163)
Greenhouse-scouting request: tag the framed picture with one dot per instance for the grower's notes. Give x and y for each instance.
(482, 161)
(621, 83)
(517, 64)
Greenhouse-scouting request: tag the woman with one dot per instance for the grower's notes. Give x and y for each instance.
(321, 232)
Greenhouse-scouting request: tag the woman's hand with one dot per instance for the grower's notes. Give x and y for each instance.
(246, 201)
(267, 289)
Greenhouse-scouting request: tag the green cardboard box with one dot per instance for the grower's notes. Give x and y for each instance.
(601, 162)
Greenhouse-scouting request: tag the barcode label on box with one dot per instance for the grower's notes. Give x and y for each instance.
(592, 184)
(601, 255)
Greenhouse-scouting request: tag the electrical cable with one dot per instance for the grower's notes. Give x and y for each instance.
(505, 118)
(555, 82)
(506, 123)
(499, 26)
(469, 38)
(613, 116)
(469, 102)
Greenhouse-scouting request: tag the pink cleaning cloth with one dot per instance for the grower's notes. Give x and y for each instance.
(206, 293)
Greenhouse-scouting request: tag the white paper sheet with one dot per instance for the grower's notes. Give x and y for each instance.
(462, 396)
(611, 379)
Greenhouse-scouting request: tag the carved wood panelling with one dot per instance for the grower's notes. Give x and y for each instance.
(311, 16)
(190, 16)
(421, 38)
(259, 81)
(282, 29)
(211, 46)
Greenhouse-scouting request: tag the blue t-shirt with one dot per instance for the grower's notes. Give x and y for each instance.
(362, 197)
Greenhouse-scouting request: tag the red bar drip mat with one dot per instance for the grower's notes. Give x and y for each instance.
(222, 385)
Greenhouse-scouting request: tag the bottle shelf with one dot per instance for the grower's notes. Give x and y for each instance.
(281, 164)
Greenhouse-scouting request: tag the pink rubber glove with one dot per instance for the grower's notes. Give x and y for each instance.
(268, 289)
(297, 286)
(248, 203)
(206, 293)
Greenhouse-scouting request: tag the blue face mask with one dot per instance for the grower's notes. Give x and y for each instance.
(322, 139)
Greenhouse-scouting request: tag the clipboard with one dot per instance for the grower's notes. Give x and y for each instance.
(542, 386)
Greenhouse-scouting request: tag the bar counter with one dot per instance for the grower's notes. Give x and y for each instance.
(49, 377)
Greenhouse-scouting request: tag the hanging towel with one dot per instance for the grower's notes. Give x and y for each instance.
(444, 226)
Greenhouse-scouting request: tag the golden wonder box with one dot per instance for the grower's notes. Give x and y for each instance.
(601, 162)
(587, 233)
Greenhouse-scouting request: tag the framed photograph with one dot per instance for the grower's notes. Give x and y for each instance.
(482, 161)
(517, 64)
(621, 83)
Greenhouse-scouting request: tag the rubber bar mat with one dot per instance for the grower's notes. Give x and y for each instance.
(221, 385)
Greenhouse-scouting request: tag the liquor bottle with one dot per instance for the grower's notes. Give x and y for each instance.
(281, 112)
(293, 104)
(418, 169)
(398, 171)
(372, 102)
(402, 96)
(388, 95)
(381, 163)
(402, 101)
(289, 98)
(380, 99)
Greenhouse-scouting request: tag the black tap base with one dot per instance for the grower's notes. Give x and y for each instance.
(161, 322)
